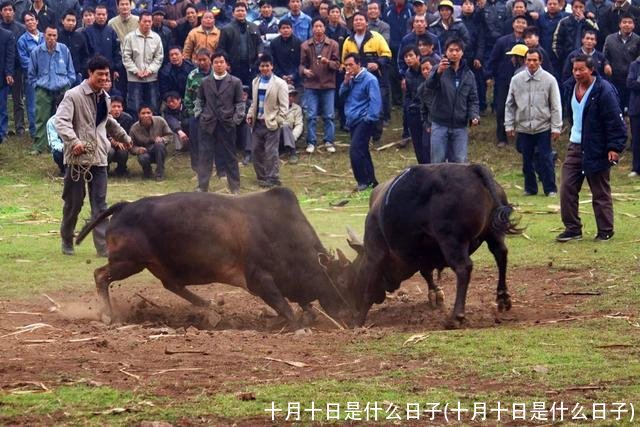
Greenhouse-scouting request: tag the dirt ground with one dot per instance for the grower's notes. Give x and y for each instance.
(164, 346)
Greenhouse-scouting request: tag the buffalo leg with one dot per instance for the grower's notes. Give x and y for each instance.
(436, 295)
(500, 251)
(183, 292)
(457, 257)
(262, 285)
(111, 272)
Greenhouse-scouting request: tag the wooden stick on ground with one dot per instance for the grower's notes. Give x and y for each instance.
(335, 322)
(148, 301)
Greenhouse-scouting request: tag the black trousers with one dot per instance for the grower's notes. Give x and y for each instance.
(155, 154)
(75, 184)
(220, 144)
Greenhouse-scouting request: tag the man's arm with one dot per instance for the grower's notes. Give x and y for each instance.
(71, 72)
(127, 55)
(64, 123)
(158, 56)
(283, 102)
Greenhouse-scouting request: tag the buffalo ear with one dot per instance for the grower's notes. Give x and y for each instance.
(324, 260)
(344, 261)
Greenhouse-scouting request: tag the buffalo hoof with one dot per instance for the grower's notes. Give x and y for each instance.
(504, 302)
(106, 318)
(454, 322)
(436, 298)
(308, 317)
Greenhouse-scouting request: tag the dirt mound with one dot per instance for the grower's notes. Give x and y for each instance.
(162, 344)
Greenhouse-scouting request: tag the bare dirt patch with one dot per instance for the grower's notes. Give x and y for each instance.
(164, 346)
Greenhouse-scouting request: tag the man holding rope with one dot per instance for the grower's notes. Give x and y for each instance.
(82, 121)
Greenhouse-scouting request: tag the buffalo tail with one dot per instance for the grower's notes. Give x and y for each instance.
(501, 220)
(97, 220)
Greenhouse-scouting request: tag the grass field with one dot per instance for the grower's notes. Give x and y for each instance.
(590, 357)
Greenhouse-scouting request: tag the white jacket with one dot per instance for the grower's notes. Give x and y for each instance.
(140, 52)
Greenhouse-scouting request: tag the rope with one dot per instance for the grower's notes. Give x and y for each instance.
(80, 170)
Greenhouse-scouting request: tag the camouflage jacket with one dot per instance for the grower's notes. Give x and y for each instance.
(191, 92)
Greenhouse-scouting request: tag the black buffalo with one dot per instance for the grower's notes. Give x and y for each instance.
(261, 242)
(431, 217)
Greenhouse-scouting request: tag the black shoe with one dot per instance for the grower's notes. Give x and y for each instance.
(603, 237)
(567, 235)
(246, 160)
(67, 248)
(362, 187)
(160, 177)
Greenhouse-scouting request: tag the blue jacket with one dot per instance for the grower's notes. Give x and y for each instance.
(399, 23)
(103, 40)
(363, 101)
(51, 71)
(8, 59)
(547, 25)
(26, 45)
(301, 25)
(603, 127)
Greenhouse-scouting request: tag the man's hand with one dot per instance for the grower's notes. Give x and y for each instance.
(171, 23)
(249, 120)
(347, 77)
(308, 73)
(10, 80)
(403, 85)
(141, 150)
(477, 64)
(534, 15)
(608, 70)
(183, 136)
(158, 140)
(78, 149)
(117, 145)
(511, 133)
(613, 157)
(475, 121)
(324, 60)
(555, 136)
(444, 64)
(116, 76)
(372, 67)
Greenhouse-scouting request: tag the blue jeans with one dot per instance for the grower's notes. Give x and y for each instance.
(543, 158)
(319, 101)
(30, 96)
(4, 116)
(361, 162)
(146, 93)
(448, 144)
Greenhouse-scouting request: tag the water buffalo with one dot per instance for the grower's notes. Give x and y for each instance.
(431, 217)
(261, 242)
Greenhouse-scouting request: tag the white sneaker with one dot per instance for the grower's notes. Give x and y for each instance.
(311, 148)
(632, 174)
(330, 147)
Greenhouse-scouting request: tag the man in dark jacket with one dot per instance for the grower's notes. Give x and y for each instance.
(501, 69)
(598, 135)
(570, 29)
(242, 42)
(77, 44)
(173, 76)
(589, 43)
(103, 40)
(162, 30)
(474, 21)
(608, 24)
(7, 69)
(620, 50)
(495, 15)
(547, 23)
(455, 94)
(447, 27)
(9, 23)
(220, 99)
(285, 50)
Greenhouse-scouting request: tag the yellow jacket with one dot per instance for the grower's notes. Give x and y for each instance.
(198, 39)
(373, 45)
